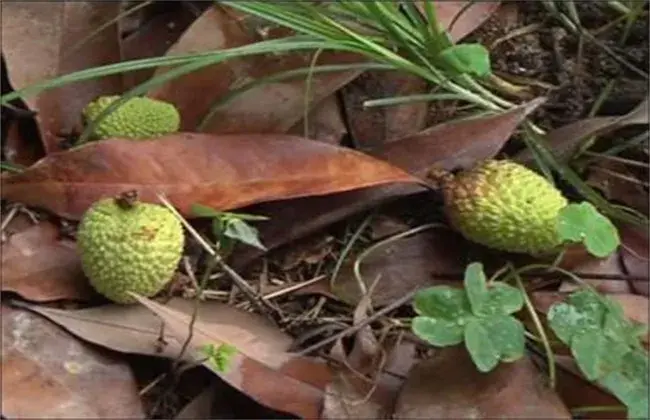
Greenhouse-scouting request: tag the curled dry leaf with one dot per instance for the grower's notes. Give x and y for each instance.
(42, 40)
(381, 362)
(457, 144)
(449, 386)
(222, 172)
(47, 373)
(41, 266)
(271, 108)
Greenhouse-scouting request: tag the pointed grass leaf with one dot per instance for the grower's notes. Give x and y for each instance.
(583, 223)
(476, 286)
(437, 331)
(443, 302)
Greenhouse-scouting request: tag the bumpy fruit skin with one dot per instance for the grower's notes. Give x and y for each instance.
(506, 206)
(129, 249)
(138, 118)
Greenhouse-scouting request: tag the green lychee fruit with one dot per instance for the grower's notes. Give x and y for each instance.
(505, 206)
(126, 247)
(137, 118)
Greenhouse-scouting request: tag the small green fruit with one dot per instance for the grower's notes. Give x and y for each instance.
(506, 206)
(137, 118)
(132, 246)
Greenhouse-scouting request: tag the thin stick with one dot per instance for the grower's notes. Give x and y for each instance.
(354, 328)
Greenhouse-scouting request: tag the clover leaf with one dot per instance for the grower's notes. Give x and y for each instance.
(478, 315)
(583, 223)
(605, 345)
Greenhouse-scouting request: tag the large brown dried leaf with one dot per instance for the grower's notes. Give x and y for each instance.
(37, 42)
(403, 264)
(273, 107)
(450, 387)
(222, 172)
(296, 386)
(40, 266)
(324, 122)
(47, 373)
(619, 184)
(371, 127)
(152, 37)
(458, 144)
(563, 141)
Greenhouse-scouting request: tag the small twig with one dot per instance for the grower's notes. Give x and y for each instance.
(248, 291)
(354, 328)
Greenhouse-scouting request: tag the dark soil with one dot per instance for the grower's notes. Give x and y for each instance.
(568, 68)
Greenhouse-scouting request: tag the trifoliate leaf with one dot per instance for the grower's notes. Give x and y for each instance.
(467, 58)
(583, 311)
(596, 354)
(243, 232)
(583, 223)
(503, 299)
(475, 286)
(437, 331)
(442, 302)
(480, 347)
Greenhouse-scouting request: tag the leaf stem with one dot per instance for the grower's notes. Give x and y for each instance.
(550, 356)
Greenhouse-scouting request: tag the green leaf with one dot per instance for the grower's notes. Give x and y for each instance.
(596, 354)
(242, 231)
(630, 384)
(507, 335)
(437, 331)
(584, 311)
(467, 58)
(583, 223)
(476, 286)
(618, 327)
(503, 299)
(199, 210)
(442, 302)
(480, 347)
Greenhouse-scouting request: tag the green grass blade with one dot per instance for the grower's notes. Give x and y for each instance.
(262, 47)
